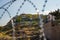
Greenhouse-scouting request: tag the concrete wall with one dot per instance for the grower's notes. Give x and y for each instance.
(52, 32)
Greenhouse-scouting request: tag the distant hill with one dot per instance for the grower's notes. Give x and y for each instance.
(22, 21)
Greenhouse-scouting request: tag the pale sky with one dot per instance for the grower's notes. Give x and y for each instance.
(27, 8)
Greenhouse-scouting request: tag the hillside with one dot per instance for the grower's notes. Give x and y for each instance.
(25, 25)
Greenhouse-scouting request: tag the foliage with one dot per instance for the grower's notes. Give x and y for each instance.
(56, 13)
(29, 21)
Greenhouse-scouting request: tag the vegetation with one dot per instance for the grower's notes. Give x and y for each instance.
(27, 23)
(56, 13)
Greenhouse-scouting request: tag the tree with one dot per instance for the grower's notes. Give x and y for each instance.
(56, 13)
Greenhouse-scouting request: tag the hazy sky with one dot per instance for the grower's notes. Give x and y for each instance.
(27, 8)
